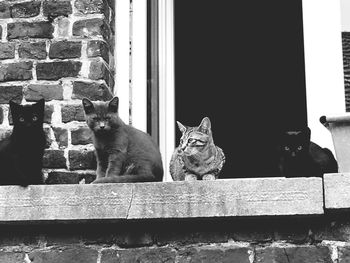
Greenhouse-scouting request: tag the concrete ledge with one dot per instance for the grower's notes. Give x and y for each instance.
(220, 198)
(337, 190)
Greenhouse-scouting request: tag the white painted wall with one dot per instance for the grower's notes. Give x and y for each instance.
(323, 65)
(345, 15)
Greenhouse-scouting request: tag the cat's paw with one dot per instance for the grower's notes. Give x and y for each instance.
(190, 177)
(97, 181)
(208, 177)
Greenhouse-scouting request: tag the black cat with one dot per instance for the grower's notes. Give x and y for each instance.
(22, 152)
(300, 157)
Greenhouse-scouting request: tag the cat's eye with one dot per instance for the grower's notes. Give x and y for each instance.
(35, 118)
(21, 119)
(300, 147)
(286, 148)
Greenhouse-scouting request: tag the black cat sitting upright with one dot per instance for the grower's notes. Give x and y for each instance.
(300, 157)
(22, 152)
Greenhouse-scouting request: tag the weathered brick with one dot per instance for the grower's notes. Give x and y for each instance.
(5, 133)
(335, 231)
(1, 115)
(35, 92)
(20, 30)
(214, 254)
(82, 135)
(144, 255)
(91, 27)
(58, 69)
(72, 113)
(71, 255)
(181, 237)
(7, 50)
(8, 93)
(48, 113)
(26, 9)
(16, 71)
(56, 8)
(11, 257)
(91, 90)
(49, 139)
(4, 10)
(293, 254)
(92, 7)
(81, 159)
(344, 254)
(65, 49)
(99, 70)
(63, 26)
(69, 178)
(32, 50)
(61, 136)
(112, 23)
(98, 48)
(54, 159)
(132, 239)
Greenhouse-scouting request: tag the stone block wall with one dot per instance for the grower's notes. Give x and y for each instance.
(62, 51)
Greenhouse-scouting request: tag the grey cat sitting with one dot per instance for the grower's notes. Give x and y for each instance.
(197, 157)
(124, 154)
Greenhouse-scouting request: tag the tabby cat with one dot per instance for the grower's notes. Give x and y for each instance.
(22, 152)
(197, 157)
(124, 154)
(300, 157)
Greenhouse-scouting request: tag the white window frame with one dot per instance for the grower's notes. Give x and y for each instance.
(323, 68)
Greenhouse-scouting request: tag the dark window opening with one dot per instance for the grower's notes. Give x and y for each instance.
(242, 65)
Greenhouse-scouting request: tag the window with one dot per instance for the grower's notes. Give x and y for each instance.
(321, 43)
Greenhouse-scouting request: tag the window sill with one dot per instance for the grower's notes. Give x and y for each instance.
(337, 191)
(162, 200)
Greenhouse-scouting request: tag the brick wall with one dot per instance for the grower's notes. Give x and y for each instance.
(62, 51)
(259, 240)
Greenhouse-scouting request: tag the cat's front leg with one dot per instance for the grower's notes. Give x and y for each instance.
(208, 177)
(100, 171)
(115, 163)
(190, 177)
(101, 159)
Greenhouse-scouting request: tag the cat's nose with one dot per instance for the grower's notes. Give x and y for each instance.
(102, 125)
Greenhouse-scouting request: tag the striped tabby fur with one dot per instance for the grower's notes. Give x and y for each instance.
(196, 157)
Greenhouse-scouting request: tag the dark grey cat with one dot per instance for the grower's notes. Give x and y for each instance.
(197, 157)
(124, 154)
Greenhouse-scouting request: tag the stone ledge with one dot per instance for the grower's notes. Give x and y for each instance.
(337, 190)
(162, 200)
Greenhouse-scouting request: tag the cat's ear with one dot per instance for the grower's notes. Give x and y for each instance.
(40, 105)
(88, 106)
(182, 127)
(205, 125)
(113, 104)
(13, 107)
